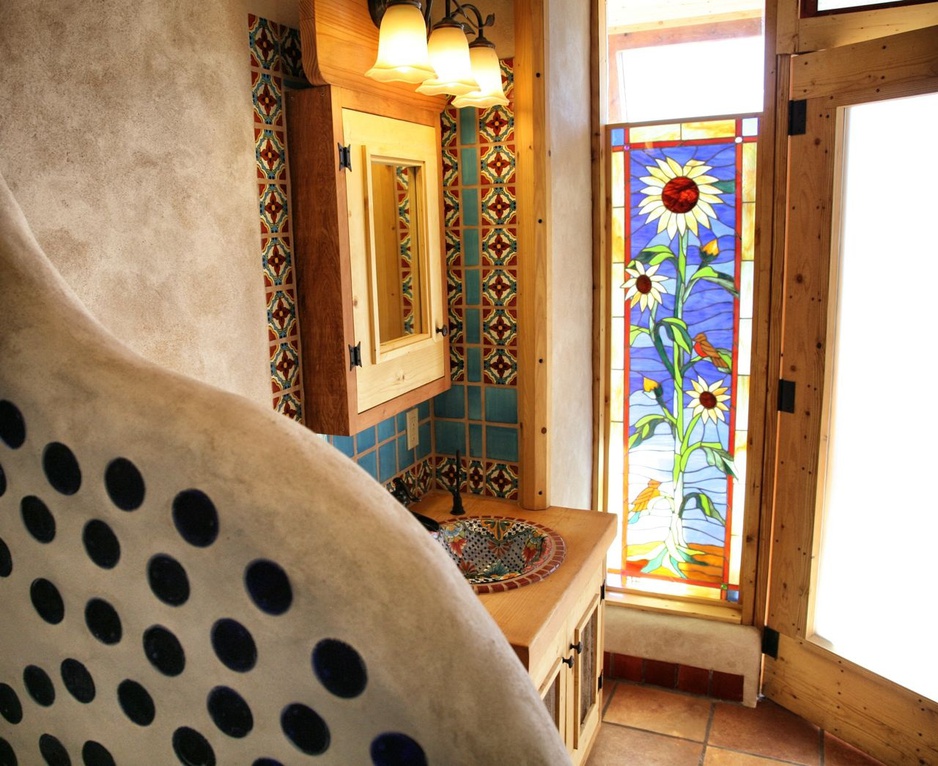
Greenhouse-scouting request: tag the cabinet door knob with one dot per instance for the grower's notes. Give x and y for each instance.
(444, 330)
(568, 661)
(578, 646)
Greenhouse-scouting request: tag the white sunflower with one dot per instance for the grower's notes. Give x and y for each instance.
(708, 400)
(679, 197)
(643, 285)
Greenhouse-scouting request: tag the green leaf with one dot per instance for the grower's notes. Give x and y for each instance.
(720, 458)
(645, 428)
(677, 329)
(710, 274)
(705, 504)
(651, 256)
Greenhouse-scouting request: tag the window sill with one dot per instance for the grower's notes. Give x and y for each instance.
(716, 611)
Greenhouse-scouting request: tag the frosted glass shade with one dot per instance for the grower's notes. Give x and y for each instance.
(489, 76)
(449, 57)
(402, 47)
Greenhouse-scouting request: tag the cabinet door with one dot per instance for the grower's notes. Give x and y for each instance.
(587, 700)
(554, 694)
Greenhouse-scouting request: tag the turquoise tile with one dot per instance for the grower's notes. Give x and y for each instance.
(387, 461)
(369, 462)
(401, 422)
(425, 443)
(501, 444)
(474, 402)
(501, 405)
(472, 287)
(423, 410)
(469, 167)
(470, 207)
(451, 403)
(386, 429)
(345, 444)
(468, 125)
(476, 447)
(472, 324)
(405, 457)
(474, 364)
(472, 250)
(365, 440)
(450, 436)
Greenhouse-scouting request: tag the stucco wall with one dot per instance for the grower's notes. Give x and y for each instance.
(127, 139)
(571, 254)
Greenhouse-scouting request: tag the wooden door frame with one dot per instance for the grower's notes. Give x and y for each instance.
(882, 718)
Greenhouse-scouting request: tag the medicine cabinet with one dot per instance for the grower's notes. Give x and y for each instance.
(367, 216)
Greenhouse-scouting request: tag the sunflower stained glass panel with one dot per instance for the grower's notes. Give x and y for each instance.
(687, 202)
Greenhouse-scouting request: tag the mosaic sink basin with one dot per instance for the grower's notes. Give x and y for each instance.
(498, 553)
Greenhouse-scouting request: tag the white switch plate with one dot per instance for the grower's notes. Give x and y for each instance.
(413, 436)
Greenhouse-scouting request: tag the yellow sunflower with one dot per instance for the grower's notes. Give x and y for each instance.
(679, 197)
(707, 400)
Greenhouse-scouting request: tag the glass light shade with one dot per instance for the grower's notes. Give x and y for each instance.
(487, 71)
(402, 47)
(449, 56)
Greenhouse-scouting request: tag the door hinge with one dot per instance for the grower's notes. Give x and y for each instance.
(770, 642)
(355, 356)
(797, 117)
(786, 395)
(345, 157)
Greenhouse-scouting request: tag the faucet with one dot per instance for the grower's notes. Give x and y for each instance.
(403, 496)
(458, 510)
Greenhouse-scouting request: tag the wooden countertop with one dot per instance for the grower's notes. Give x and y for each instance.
(532, 616)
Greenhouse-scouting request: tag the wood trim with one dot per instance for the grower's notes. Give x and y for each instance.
(866, 65)
(881, 718)
(532, 131)
(803, 35)
(601, 299)
(340, 44)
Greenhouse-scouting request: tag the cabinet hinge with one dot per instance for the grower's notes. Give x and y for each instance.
(770, 642)
(599, 682)
(355, 356)
(786, 395)
(797, 117)
(345, 157)
(602, 592)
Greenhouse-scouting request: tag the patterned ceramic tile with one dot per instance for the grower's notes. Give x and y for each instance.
(270, 154)
(498, 165)
(267, 91)
(454, 286)
(277, 261)
(501, 367)
(457, 363)
(273, 208)
(499, 206)
(501, 479)
(475, 480)
(500, 245)
(284, 366)
(450, 168)
(289, 404)
(500, 287)
(455, 324)
(281, 314)
(291, 55)
(449, 121)
(453, 248)
(500, 327)
(497, 126)
(451, 207)
(263, 40)
(508, 79)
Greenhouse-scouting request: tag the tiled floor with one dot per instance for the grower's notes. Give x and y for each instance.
(649, 726)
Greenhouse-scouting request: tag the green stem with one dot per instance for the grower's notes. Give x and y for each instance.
(677, 368)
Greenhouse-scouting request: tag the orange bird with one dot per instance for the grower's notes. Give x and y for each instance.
(646, 496)
(718, 357)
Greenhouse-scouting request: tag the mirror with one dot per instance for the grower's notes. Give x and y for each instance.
(397, 202)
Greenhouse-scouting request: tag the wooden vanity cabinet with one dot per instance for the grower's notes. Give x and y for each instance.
(353, 375)
(556, 625)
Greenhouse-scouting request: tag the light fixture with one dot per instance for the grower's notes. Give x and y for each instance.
(448, 64)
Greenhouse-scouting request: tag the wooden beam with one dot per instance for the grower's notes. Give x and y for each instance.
(532, 132)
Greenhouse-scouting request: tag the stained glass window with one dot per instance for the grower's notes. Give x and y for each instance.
(683, 213)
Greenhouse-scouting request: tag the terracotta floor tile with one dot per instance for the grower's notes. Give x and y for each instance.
(621, 746)
(716, 756)
(767, 730)
(672, 713)
(839, 753)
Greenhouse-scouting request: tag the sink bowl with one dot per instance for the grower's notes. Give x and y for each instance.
(498, 553)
